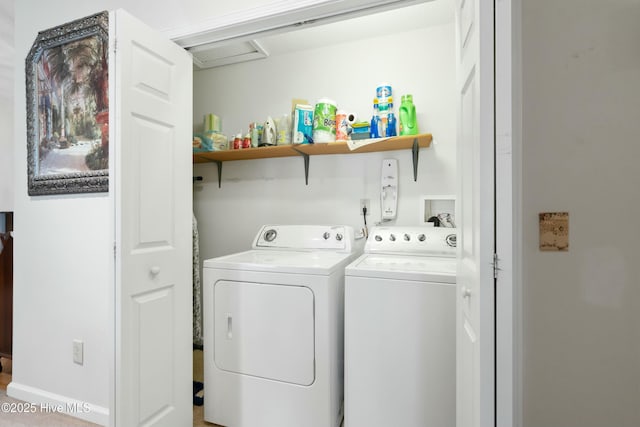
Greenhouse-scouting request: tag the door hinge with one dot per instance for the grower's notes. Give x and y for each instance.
(496, 268)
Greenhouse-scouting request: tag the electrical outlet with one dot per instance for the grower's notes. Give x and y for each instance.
(364, 203)
(78, 352)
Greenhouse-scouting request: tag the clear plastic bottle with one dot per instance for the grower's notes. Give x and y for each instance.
(374, 129)
(283, 127)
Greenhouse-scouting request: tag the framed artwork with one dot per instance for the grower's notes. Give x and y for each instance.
(67, 85)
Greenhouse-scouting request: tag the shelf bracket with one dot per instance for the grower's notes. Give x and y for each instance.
(219, 164)
(414, 151)
(305, 156)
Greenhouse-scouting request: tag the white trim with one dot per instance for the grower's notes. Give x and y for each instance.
(277, 17)
(508, 215)
(58, 403)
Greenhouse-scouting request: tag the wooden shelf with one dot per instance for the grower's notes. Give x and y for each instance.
(413, 142)
(394, 143)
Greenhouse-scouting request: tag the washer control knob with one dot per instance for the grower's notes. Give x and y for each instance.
(392, 237)
(270, 235)
(338, 237)
(326, 235)
(378, 238)
(421, 237)
(407, 237)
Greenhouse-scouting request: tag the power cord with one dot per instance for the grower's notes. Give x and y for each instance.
(364, 215)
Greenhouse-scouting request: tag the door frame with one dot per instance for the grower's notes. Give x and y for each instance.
(277, 17)
(508, 215)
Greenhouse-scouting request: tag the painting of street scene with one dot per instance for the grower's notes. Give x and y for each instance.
(73, 107)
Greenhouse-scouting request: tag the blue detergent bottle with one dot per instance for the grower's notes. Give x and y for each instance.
(391, 120)
(374, 129)
(408, 121)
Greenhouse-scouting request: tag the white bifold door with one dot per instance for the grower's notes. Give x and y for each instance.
(151, 115)
(475, 213)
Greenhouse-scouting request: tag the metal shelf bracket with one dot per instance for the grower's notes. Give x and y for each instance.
(414, 150)
(305, 156)
(219, 164)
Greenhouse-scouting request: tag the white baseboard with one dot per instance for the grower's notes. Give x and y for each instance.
(56, 403)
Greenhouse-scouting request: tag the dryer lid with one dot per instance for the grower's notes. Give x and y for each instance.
(283, 261)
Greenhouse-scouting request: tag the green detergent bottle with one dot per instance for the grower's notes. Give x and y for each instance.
(408, 121)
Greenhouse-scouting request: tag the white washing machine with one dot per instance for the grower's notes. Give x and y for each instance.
(400, 351)
(273, 329)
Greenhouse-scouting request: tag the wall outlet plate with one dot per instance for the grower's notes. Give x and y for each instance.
(78, 352)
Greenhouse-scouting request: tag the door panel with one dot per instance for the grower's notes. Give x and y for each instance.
(154, 316)
(154, 155)
(151, 126)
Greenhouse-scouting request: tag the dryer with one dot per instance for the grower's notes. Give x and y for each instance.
(400, 354)
(273, 329)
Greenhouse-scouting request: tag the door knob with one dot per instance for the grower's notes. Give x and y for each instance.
(466, 292)
(155, 270)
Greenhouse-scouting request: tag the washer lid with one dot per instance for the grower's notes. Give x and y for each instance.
(279, 261)
(404, 267)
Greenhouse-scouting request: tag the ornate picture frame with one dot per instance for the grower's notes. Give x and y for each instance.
(67, 88)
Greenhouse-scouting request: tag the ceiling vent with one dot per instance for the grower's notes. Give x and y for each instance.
(216, 55)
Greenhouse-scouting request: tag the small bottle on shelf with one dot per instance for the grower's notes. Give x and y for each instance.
(391, 121)
(374, 128)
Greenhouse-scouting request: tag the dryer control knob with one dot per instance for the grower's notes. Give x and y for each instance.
(421, 237)
(326, 235)
(378, 238)
(270, 235)
(338, 237)
(407, 237)
(392, 237)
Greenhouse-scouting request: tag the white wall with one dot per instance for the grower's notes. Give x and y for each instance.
(6, 154)
(581, 70)
(6, 104)
(256, 192)
(62, 279)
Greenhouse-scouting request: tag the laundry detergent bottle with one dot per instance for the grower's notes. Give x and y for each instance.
(407, 113)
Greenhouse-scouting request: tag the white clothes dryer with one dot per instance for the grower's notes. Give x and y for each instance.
(400, 351)
(273, 329)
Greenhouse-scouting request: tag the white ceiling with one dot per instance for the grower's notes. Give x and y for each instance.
(7, 51)
(408, 18)
(430, 13)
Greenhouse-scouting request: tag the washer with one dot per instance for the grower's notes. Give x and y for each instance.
(400, 329)
(273, 329)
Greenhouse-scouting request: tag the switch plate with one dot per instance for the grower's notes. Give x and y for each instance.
(78, 352)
